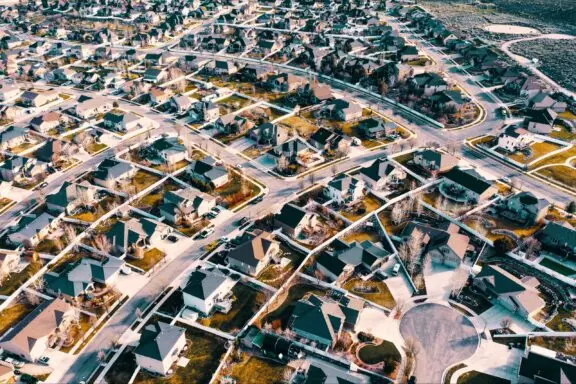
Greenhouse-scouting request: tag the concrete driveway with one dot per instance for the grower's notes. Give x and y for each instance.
(444, 335)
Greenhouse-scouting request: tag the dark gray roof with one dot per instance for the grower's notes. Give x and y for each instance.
(158, 340)
(202, 283)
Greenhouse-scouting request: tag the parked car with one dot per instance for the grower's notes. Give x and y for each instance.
(396, 269)
(207, 232)
(44, 360)
(172, 238)
(243, 220)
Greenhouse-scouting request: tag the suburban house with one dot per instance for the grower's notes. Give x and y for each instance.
(127, 121)
(71, 196)
(544, 100)
(443, 243)
(208, 171)
(324, 139)
(524, 208)
(207, 290)
(376, 128)
(536, 368)
(515, 138)
(314, 371)
(136, 235)
(559, 237)
(204, 111)
(342, 110)
(31, 229)
(382, 173)
(252, 256)
(435, 161)
(46, 122)
(467, 185)
(541, 121)
(19, 167)
(92, 106)
(517, 295)
(408, 53)
(269, 134)
(290, 149)
(293, 220)
(349, 258)
(322, 320)
(232, 123)
(38, 99)
(166, 150)
(34, 334)
(159, 95)
(9, 92)
(429, 83)
(314, 93)
(344, 189)
(159, 347)
(111, 171)
(80, 278)
(186, 204)
(181, 103)
(284, 82)
(12, 137)
(155, 75)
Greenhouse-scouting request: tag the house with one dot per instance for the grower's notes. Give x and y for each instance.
(269, 134)
(376, 128)
(290, 150)
(448, 101)
(159, 95)
(315, 93)
(539, 369)
(524, 208)
(284, 82)
(342, 110)
(123, 122)
(293, 220)
(18, 167)
(204, 111)
(344, 189)
(252, 256)
(12, 137)
(467, 185)
(515, 138)
(314, 371)
(154, 75)
(435, 161)
(517, 295)
(50, 120)
(166, 150)
(232, 123)
(186, 204)
(181, 104)
(207, 171)
(81, 277)
(159, 347)
(208, 290)
(71, 196)
(322, 320)
(541, 121)
(408, 53)
(91, 107)
(543, 100)
(52, 151)
(324, 139)
(135, 235)
(31, 229)
(111, 171)
(225, 67)
(9, 92)
(559, 238)
(252, 73)
(443, 243)
(349, 258)
(382, 173)
(429, 83)
(33, 335)
(38, 99)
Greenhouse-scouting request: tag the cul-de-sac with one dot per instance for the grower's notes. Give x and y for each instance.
(287, 192)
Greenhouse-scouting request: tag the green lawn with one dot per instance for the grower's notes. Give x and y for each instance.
(256, 370)
(95, 147)
(555, 266)
(374, 354)
(15, 280)
(150, 259)
(296, 292)
(381, 295)
(246, 303)
(204, 352)
(475, 377)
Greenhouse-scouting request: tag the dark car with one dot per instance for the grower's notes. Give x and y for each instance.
(243, 221)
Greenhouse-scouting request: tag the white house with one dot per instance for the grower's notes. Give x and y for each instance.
(92, 107)
(345, 189)
(254, 255)
(207, 290)
(514, 139)
(382, 173)
(159, 347)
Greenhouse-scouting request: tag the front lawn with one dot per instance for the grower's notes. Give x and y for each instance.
(156, 197)
(94, 148)
(150, 259)
(475, 377)
(5, 203)
(557, 267)
(15, 280)
(121, 371)
(374, 291)
(361, 236)
(232, 104)
(204, 352)
(246, 303)
(257, 370)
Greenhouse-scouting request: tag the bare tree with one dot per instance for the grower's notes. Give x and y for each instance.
(397, 214)
(70, 233)
(505, 323)
(458, 279)
(411, 347)
(312, 178)
(334, 169)
(102, 243)
(531, 247)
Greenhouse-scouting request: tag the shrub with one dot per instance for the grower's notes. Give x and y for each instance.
(504, 245)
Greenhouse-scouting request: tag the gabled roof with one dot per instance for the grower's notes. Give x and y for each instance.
(291, 215)
(344, 182)
(500, 281)
(544, 369)
(253, 251)
(378, 169)
(125, 233)
(158, 340)
(202, 283)
(469, 179)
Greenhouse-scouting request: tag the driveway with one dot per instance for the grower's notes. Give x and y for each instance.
(444, 335)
